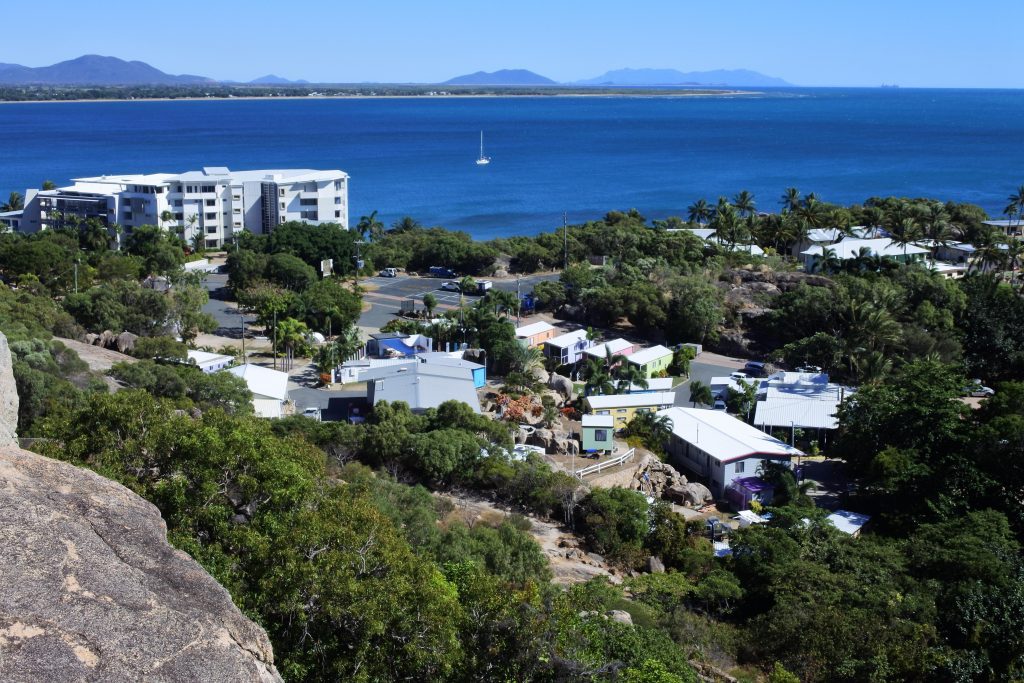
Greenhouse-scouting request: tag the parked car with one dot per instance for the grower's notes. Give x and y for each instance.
(441, 271)
(739, 375)
(389, 272)
(450, 286)
(979, 390)
(754, 368)
(719, 405)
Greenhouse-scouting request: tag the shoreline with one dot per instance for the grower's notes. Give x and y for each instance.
(721, 93)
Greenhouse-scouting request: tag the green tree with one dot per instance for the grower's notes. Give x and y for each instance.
(429, 303)
(700, 393)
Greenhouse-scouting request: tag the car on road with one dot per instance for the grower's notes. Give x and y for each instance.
(312, 413)
(719, 405)
(389, 272)
(754, 368)
(451, 287)
(979, 390)
(739, 376)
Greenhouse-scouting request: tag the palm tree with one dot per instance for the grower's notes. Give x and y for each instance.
(826, 262)
(699, 212)
(369, 226)
(190, 224)
(728, 227)
(1013, 253)
(504, 302)
(1015, 206)
(526, 359)
(291, 334)
(49, 185)
(812, 211)
(629, 376)
(905, 231)
(790, 200)
(15, 202)
(404, 224)
(166, 217)
(597, 378)
(744, 203)
(700, 393)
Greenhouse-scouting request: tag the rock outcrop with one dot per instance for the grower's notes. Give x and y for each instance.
(93, 591)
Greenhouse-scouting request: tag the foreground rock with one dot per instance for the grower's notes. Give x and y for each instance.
(92, 591)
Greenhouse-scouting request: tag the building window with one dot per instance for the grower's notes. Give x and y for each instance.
(209, 188)
(603, 412)
(283, 206)
(337, 185)
(600, 435)
(337, 214)
(236, 197)
(282, 191)
(179, 216)
(337, 200)
(238, 224)
(739, 468)
(211, 216)
(211, 202)
(177, 202)
(620, 411)
(211, 230)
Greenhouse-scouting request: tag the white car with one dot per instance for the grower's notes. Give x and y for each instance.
(719, 405)
(979, 390)
(739, 375)
(450, 286)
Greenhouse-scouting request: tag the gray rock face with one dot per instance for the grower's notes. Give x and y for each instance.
(563, 385)
(655, 565)
(8, 397)
(92, 591)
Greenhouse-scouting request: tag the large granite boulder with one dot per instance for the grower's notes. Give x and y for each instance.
(8, 397)
(92, 591)
(562, 385)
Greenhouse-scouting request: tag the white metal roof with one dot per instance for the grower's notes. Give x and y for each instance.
(423, 385)
(534, 329)
(654, 384)
(848, 522)
(262, 381)
(613, 401)
(616, 346)
(811, 406)
(598, 421)
(568, 339)
(723, 436)
(645, 356)
(205, 357)
(850, 247)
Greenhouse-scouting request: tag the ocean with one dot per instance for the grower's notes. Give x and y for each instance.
(581, 155)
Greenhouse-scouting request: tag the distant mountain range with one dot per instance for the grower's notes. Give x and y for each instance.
(98, 70)
(502, 77)
(93, 70)
(735, 77)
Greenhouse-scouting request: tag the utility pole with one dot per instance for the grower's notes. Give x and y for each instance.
(275, 340)
(519, 302)
(243, 338)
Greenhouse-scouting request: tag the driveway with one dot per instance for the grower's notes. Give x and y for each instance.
(226, 313)
(703, 368)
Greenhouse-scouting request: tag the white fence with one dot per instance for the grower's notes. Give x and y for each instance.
(607, 464)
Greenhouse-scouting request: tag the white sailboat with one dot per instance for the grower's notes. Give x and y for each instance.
(482, 160)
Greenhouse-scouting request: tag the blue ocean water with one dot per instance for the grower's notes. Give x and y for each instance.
(583, 155)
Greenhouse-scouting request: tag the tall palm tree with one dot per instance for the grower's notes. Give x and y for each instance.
(597, 378)
(526, 359)
(812, 211)
(699, 212)
(291, 334)
(628, 376)
(1015, 206)
(904, 231)
(826, 262)
(404, 224)
(744, 203)
(369, 226)
(700, 393)
(790, 200)
(728, 227)
(15, 202)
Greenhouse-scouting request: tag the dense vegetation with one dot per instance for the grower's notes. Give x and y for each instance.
(331, 535)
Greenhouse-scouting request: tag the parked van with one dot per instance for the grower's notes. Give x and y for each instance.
(754, 368)
(389, 272)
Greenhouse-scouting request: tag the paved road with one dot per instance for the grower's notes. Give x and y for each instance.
(388, 294)
(229, 320)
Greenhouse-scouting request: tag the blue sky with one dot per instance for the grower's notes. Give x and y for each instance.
(942, 43)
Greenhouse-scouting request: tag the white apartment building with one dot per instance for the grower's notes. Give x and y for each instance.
(214, 202)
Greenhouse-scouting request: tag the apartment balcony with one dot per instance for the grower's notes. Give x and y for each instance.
(309, 195)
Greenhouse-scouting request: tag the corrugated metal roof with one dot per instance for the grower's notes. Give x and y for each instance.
(849, 248)
(534, 329)
(848, 522)
(598, 421)
(805, 405)
(723, 436)
(648, 400)
(262, 381)
(645, 356)
(568, 339)
(424, 385)
(616, 346)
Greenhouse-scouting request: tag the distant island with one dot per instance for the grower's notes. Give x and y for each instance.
(741, 78)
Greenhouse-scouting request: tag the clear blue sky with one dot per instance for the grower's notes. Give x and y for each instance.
(939, 43)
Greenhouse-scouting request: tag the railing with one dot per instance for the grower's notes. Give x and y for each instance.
(614, 462)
